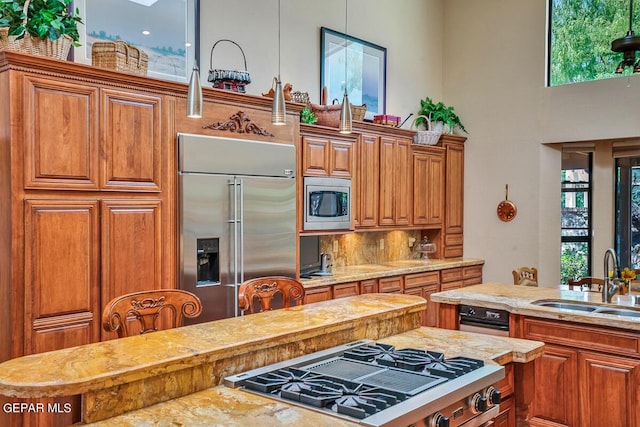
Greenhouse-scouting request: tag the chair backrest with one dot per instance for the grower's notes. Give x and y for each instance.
(153, 310)
(527, 276)
(586, 284)
(261, 291)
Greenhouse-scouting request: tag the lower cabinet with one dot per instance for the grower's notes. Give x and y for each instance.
(588, 376)
(423, 285)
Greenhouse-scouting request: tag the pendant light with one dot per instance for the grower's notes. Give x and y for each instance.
(628, 45)
(345, 111)
(278, 108)
(194, 95)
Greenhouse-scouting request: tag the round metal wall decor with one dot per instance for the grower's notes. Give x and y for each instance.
(506, 210)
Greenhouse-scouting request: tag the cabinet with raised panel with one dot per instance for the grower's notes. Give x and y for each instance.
(326, 152)
(428, 185)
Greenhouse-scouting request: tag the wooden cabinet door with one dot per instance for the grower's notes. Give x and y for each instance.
(394, 284)
(61, 274)
(132, 251)
(454, 197)
(395, 182)
(341, 159)
(428, 187)
(61, 143)
(368, 181)
(369, 286)
(346, 290)
(403, 182)
(315, 156)
(132, 141)
(557, 397)
(322, 293)
(609, 390)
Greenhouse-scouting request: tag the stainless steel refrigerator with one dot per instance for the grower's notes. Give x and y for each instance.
(237, 217)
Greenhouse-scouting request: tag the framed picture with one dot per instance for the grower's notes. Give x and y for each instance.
(364, 71)
(151, 25)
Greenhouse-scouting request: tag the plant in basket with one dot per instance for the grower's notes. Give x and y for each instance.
(29, 23)
(438, 112)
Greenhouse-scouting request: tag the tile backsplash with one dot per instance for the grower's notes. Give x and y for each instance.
(371, 247)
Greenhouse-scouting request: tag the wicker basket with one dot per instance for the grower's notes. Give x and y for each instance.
(328, 115)
(119, 56)
(233, 80)
(358, 112)
(58, 49)
(426, 137)
(301, 98)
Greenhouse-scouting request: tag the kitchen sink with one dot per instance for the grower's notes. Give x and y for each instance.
(588, 307)
(564, 305)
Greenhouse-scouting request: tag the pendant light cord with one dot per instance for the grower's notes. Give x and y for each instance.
(279, 12)
(346, 19)
(630, 15)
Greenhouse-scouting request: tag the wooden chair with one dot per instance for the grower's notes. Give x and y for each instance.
(586, 284)
(526, 276)
(262, 291)
(147, 307)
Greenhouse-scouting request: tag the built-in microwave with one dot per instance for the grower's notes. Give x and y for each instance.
(327, 203)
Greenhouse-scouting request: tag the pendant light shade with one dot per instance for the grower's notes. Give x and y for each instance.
(278, 108)
(345, 112)
(345, 115)
(194, 95)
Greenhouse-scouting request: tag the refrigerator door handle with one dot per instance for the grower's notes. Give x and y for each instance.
(240, 246)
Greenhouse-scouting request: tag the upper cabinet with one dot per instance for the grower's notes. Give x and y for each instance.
(327, 153)
(86, 137)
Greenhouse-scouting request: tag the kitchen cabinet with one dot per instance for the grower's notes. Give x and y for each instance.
(366, 183)
(327, 153)
(322, 293)
(395, 181)
(346, 289)
(394, 284)
(428, 185)
(75, 138)
(423, 285)
(369, 286)
(454, 195)
(588, 375)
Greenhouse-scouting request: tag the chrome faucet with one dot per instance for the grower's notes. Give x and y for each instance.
(609, 289)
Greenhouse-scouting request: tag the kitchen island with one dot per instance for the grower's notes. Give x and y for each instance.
(591, 359)
(171, 376)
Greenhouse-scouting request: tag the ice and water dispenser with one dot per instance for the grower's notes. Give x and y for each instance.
(208, 262)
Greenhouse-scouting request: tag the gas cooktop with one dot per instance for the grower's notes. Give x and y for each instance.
(376, 384)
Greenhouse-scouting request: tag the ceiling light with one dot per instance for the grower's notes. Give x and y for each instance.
(194, 95)
(144, 2)
(146, 32)
(628, 45)
(345, 112)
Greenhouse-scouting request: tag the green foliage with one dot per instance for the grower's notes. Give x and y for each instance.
(438, 112)
(44, 19)
(581, 36)
(573, 263)
(307, 116)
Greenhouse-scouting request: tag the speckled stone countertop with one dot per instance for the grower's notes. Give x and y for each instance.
(221, 406)
(518, 300)
(355, 273)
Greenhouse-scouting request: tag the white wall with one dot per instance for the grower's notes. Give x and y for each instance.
(486, 58)
(411, 30)
(494, 56)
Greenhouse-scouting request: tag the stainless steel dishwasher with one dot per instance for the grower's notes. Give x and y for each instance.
(484, 320)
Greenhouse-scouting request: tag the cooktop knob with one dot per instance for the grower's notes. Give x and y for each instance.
(493, 396)
(438, 420)
(478, 403)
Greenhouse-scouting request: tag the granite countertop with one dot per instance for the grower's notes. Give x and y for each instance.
(518, 300)
(234, 407)
(355, 273)
(97, 366)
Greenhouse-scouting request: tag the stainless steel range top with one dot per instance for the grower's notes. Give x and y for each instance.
(375, 384)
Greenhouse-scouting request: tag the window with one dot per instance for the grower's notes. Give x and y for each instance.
(580, 36)
(628, 211)
(576, 215)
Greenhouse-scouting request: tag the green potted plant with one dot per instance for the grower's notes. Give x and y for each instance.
(439, 113)
(39, 27)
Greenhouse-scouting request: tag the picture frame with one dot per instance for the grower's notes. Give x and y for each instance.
(365, 71)
(149, 25)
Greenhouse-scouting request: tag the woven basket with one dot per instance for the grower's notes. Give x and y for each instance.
(358, 112)
(120, 56)
(426, 137)
(328, 115)
(58, 49)
(234, 80)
